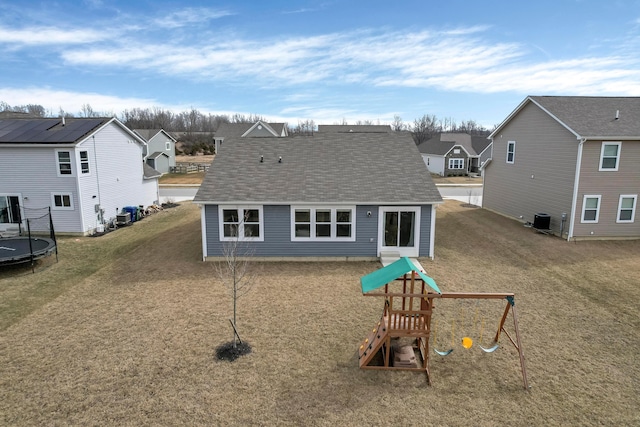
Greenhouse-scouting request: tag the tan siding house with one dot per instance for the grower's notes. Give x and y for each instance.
(573, 159)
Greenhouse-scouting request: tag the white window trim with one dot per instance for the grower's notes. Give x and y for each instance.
(62, 208)
(410, 251)
(334, 223)
(456, 160)
(57, 160)
(633, 210)
(168, 145)
(584, 205)
(88, 162)
(513, 159)
(241, 236)
(604, 144)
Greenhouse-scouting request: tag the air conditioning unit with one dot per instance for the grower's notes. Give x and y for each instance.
(542, 221)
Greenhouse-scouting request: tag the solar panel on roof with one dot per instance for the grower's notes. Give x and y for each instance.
(45, 131)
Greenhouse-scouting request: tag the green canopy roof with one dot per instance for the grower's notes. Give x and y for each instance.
(391, 272)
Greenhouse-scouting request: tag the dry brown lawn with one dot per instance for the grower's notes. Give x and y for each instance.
(194, 178)
(123, 331)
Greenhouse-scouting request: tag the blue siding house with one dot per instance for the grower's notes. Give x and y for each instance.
(327, 196)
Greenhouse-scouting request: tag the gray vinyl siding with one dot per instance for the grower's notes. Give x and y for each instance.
(609, 185)
(277, 235)
(425, 231)
(119, 181)
(541, 178)
(159, 143)
(32, 173)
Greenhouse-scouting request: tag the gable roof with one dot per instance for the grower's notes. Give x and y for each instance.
(354, 128)
(48, 131)
(234, 130)
(147, 134)
(323, 168)
(589, 117)
(443, 142)
(52, 131)
(157, 154)
(392, 272)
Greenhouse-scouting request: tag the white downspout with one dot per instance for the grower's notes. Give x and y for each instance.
(576, 183)
(432, 234)
(203, 223)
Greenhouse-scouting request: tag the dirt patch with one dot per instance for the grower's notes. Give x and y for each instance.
(199, 158)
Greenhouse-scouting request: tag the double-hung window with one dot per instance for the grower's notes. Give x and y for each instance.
(610, 156)
(590, 209)
(322, 223)
(62, 201)
(84, 162)
(241, 223)
(627, 208)
(511, 151)
(64, 162)
(456, 163)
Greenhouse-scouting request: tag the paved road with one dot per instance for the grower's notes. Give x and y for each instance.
(177, 193)
(469, 193)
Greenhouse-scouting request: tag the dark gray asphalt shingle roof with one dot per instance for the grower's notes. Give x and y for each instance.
(594, 116)
(442, 143)
(323, 168)
(354, 128)
(233, 130)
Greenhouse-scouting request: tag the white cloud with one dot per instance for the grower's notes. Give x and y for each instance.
(49, 36)
(190, 16)
(71, 102)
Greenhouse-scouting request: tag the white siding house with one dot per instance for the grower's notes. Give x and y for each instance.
(85, 170)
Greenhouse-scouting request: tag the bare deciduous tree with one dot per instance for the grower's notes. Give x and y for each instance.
(236, 271)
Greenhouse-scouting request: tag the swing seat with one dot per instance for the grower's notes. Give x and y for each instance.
(443, 353)
(491, 349)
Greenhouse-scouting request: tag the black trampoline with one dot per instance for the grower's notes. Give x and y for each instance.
(15, 250)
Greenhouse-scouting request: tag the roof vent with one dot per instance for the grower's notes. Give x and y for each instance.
(280, 159)
(63, 123)
(617, 114)
(261, 159)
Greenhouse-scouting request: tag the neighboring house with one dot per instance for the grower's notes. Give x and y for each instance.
(448, 154)
(86, 170)
(573, 159)
(322, 196)
(160, 151)
(354, 128)
(258, 129)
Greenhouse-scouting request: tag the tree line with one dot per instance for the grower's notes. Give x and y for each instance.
(196, 128)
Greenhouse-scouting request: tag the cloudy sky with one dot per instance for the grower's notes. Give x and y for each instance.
(329, 61)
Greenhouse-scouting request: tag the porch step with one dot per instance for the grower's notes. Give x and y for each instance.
(389, 257)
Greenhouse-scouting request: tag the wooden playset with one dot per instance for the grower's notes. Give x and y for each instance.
(409, 296)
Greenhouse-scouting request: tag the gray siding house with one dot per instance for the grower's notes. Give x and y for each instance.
(86, 170)
(258, 129)
(573, 159)
(448, 154)
(326, 196)
(160, 150)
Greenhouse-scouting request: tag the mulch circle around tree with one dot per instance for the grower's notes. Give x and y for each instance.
(227, 352)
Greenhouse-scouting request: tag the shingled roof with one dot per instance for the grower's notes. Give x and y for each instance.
(443, 142)
(234, 130)
(360, 168)
(354, 128)
(47, 131)
(590, 117)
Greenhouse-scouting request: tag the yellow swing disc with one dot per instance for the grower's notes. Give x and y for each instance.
(467, 342)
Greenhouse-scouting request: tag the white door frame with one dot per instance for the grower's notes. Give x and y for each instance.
(409, 251)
